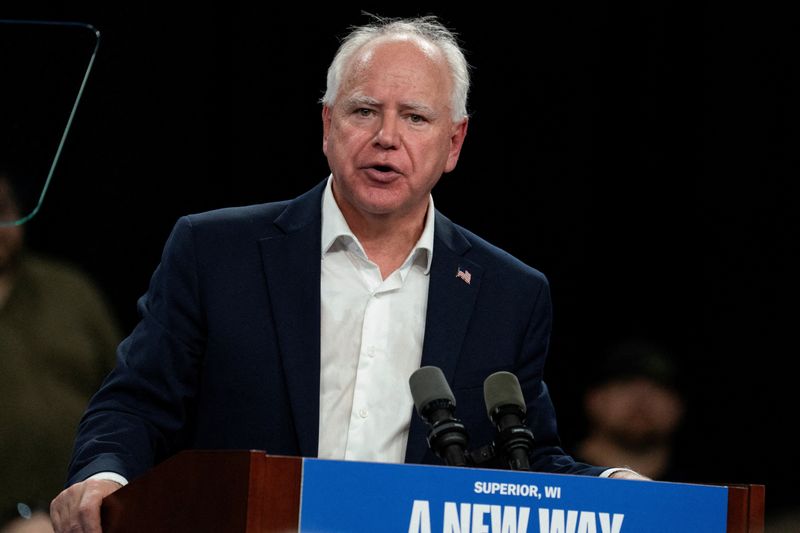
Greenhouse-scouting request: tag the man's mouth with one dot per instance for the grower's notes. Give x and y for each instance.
(383, 173)
(384, 167)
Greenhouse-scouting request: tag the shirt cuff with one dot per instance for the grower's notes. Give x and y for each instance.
(111, 476)
(607, 473)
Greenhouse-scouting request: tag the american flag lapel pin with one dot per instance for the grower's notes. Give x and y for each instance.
(464, 275)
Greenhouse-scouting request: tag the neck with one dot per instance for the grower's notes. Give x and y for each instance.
(387, 239)
(388, 245)
(388, 256)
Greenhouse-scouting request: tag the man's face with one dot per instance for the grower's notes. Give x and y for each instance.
(389, 135)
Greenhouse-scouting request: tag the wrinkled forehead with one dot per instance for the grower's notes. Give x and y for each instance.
(368, 50)
(411, 49)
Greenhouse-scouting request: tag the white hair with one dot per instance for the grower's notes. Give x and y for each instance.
(428, 29)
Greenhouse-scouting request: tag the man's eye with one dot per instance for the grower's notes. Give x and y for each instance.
(364, 112)
(416, 119)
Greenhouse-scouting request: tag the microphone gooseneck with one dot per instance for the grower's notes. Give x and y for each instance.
(505, 406)
(436, 404)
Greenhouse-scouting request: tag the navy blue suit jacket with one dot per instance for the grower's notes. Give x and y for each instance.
(226, 355)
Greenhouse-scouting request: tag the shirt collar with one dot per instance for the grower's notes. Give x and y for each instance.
(335, 228)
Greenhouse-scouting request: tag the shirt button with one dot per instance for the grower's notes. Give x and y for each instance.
(371, 351)
(362, 413)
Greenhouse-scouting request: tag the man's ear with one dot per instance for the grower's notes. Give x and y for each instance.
(457, 135)
(326, 127)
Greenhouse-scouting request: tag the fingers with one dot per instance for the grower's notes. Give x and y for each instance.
(77, 508)
(629, 474)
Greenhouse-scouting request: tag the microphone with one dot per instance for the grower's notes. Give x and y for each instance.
(505, 406)
(435, 403)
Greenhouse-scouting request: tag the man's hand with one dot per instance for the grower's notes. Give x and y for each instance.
(77, 508)
(629, 474)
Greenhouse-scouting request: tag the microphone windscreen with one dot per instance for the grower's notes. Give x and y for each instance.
(502, 388)
(429, 384)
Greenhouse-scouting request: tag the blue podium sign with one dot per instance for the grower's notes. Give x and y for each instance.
(338, 496)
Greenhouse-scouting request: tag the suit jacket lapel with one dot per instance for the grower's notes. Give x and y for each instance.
(451, 299)
(292, 267)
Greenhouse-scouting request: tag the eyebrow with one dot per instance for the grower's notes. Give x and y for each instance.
(420, 107)
(359, 100)
(363, 100)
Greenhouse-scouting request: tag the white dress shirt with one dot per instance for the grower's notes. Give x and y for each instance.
(371, 335)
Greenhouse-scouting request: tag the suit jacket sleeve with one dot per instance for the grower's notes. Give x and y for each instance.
(140, 413)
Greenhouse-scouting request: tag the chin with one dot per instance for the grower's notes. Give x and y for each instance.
(379, 209)
(379, 204)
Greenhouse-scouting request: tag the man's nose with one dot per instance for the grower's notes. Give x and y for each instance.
(388, 132)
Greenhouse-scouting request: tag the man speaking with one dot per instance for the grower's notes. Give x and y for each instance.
(293, 327)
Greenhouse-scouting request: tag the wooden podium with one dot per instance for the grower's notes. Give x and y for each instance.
(213, 491)
(249, 491)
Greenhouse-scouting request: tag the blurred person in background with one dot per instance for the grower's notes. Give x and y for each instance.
(633, 411)
(57, 342)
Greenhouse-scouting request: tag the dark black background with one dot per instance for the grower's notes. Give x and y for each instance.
(645, 160)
